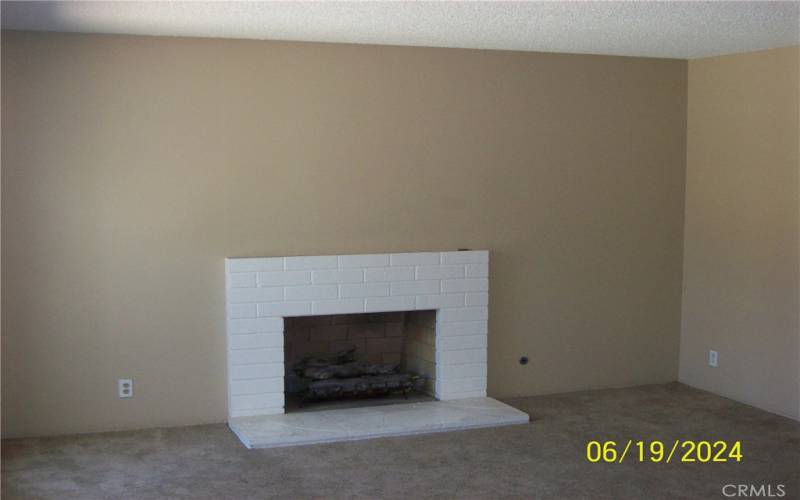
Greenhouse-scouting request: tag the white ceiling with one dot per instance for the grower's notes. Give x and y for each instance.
(663, 29)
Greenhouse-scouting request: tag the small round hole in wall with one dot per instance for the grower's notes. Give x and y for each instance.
(523, 360)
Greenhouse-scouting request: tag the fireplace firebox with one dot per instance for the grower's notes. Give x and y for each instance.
(366, 355)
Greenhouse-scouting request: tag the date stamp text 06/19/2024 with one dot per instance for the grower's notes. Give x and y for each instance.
(664, 452)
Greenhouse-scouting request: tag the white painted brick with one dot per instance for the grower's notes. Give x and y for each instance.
(239, 295)
(264, 370)
(255, 401)
(256, 356)
(389, 274)
(469, 257)
(338, 276)
(464, 385)
(364, 290)
(415, 287)
(381, 304)
(462, 342)
(450, 372)
(439, 272)
(462, 357)
(478, 299)
(464, 314)
(454, 283)
(239, 311)
(439, 301)
(463, 328)
(256, 386)
(311, 262)
(344, 306)
(284, 309)
(414, 259)
(241, 280)
(370, 260)
(466, 285)
(255, 340)
(259, 325)
(477, 270)
(450, 396)
(312, 292)
(282, 278)
(250, 265)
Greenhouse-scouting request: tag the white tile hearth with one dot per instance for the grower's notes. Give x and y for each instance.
(269, 431)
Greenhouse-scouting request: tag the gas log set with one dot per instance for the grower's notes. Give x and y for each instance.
(341, 376)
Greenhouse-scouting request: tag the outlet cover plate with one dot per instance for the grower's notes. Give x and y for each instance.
(125, 387)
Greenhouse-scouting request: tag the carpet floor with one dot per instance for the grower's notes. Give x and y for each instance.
(544, 459)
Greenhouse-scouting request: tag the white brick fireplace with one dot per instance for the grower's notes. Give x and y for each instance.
(262, 291)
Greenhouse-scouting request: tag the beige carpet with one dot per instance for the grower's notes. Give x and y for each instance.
(544, 459)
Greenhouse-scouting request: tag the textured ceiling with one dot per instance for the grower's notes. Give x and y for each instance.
(664, 29)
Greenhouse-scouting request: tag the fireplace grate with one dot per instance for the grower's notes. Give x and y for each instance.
(341, 376)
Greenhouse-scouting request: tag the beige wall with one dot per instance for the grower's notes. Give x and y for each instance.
(741, 244)
(132, 166)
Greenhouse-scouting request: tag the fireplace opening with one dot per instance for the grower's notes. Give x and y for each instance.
(352, 360)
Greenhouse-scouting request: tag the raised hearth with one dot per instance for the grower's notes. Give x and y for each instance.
(352, 424)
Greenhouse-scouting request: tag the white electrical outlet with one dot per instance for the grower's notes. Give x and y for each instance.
(125, 387)
(712, 358)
